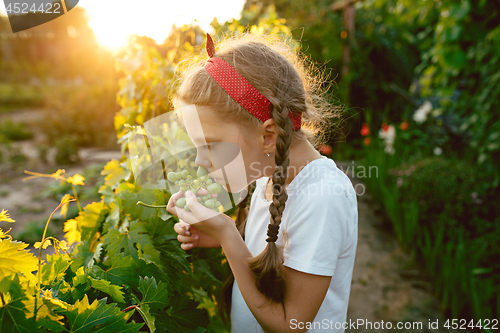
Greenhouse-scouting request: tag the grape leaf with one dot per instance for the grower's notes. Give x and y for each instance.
(13, 259)
(117, 242)
(121, 271)
(13, 313)
(182, 317)
(155, 295)
(146, 315)
(72, 231)
(108, 288)
(98, 317)
(55, 269)
(114, 174)
(82, 256)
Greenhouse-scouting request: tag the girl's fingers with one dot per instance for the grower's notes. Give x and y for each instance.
(186, 246)
(202, 191)
(186, 239)
(182, 228)
(171, 207)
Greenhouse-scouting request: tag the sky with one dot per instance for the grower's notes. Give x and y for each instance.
(114, 20)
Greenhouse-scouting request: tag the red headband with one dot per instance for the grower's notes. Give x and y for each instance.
(240, 89)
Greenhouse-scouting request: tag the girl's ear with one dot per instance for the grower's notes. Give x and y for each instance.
(268, 135)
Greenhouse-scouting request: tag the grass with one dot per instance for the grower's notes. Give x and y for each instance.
(17, 95)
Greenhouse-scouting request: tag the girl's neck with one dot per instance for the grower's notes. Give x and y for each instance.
(301, 154)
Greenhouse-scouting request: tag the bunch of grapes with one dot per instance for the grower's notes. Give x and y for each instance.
(186, 183)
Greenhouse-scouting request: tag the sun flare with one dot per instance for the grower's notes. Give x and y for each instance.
(114, 21)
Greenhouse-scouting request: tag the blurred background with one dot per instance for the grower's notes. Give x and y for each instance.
(419, 84)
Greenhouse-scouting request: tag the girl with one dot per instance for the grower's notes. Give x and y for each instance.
(254, 92)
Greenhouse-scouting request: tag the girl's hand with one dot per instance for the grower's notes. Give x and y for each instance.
(210, 223)
(191, 237)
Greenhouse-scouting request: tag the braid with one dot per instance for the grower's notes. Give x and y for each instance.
(268, 265)
(224, 297)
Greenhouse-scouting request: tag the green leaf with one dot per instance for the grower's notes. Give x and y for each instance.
(108, 288)
(55, 269)
(13, 313)
(117, 242)
(122, 271)
(98, 317)
(82, 256)
(182, 316)
(148, 318)
(156, 296)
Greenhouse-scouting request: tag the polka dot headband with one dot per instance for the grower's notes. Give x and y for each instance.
(236, 86)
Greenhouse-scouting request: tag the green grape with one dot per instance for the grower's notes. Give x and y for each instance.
(203, 178)
(185, 173)
(171, 177)
(196, 183)
(181, 202)
(183, 188)
(209, 181)
(199, 199)
(215, 210)
(214, 188)
(176, 182)
(186, 208)
(209, 204)
(201, 172)
(178, 175)
(205, 198)
(182, 183)
(217, 204)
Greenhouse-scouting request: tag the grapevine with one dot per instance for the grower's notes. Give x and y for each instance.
(204, 188)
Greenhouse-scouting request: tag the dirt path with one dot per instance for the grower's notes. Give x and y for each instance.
(386, 285)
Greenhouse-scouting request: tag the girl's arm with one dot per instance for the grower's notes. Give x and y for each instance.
(304, 293)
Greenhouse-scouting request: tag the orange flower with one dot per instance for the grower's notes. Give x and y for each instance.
(365, 130)
(325, 149)
(404, 125)
(367, 141)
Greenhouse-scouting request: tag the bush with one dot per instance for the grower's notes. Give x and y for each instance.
(15, 131)
(447, 191)
(84, 111)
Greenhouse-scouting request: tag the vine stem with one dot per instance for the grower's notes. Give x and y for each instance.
(76, 197)
(39, 275)
(150, 206)
(129, 308)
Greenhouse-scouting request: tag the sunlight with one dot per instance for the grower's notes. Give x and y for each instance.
(113, 21)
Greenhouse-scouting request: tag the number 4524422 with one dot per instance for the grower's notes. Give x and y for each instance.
(24, 8)
(461, 324)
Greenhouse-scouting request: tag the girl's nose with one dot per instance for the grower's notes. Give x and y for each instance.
(203, 158)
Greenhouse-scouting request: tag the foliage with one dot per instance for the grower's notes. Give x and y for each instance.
(15, 131)
(438, 215)
(16, 95)
(79, 115)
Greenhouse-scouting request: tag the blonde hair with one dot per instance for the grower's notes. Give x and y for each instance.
(272, 66)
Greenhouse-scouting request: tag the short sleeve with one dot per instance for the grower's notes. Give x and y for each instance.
(318, 227)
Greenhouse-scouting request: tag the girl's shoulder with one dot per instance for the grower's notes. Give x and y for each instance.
(321, 180)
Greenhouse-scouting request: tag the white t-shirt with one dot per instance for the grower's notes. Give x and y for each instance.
(318, 235)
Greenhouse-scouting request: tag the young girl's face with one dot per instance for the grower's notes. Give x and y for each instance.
(233, 153)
